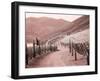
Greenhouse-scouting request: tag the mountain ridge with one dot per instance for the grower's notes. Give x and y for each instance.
(45, 27)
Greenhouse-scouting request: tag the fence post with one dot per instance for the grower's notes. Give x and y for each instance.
(44, 48)
(50, 48)
(75, 56)
(39, 47)
(88, 57)
(72, 48)
(37, 41)
(26, 54)
(34, 52)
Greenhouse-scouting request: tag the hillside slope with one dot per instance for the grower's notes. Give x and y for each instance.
(79, 25)
(45, 28)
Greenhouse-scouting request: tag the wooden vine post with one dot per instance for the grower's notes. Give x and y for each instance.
(75, 56)
(70, 46)
(26, 54)
(88, 57)
(39, 47)
(72, 49)
(34, 52)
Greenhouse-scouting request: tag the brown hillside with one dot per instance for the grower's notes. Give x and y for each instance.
(43, 27)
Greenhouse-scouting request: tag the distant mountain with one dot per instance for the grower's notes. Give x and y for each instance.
(79, 24)
(44, 27)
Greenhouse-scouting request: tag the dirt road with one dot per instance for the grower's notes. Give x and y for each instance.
(60, 58)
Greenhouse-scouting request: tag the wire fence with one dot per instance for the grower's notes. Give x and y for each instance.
(79, 48)
(38, 49)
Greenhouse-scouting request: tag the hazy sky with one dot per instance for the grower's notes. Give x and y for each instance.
(56, 16)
